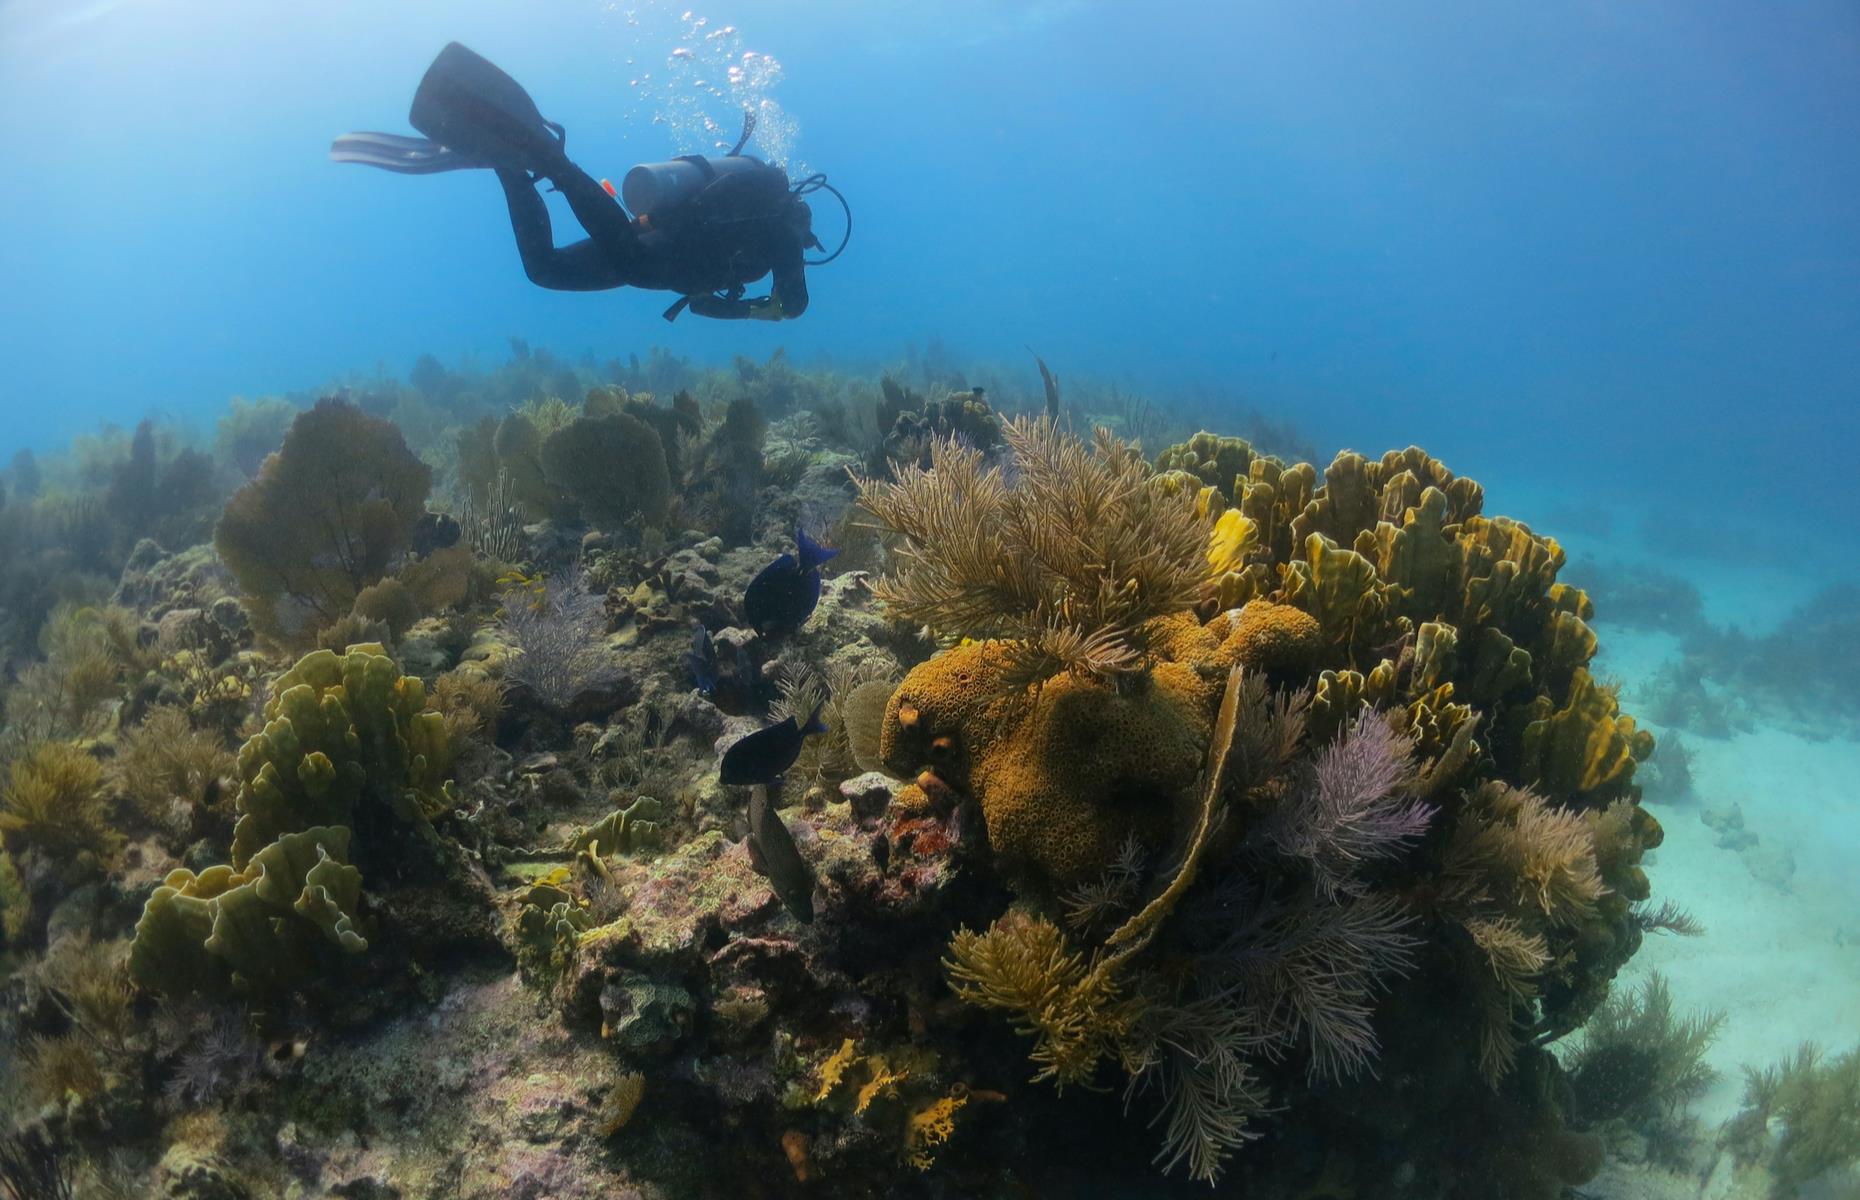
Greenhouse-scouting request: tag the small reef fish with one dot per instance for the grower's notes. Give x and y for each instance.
(783, 594)
(776, 858)
(702, 660)
(762, 756)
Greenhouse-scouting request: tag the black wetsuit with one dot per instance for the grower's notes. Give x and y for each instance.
(741, 227)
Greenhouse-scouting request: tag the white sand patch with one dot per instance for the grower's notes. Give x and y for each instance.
(1783, 963)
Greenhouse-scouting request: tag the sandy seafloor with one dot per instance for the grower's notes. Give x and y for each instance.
(1782, 961)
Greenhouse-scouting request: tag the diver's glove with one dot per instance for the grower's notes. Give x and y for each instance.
(727, 308)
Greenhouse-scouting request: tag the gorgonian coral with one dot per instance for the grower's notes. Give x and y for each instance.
(1353, 806)
(1068, 552)
(1415, 773)
(555, 629)
(332, 511)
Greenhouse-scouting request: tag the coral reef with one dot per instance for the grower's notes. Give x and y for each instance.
(1448, 624)
(1233, 820)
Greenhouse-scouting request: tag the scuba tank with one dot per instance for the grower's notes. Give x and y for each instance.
(652, 188)
(735, 187)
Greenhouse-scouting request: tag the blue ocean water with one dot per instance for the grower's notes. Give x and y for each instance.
(1602, 257)
(1605, 250)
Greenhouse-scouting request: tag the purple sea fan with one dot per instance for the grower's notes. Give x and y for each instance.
(557, 634)
(1353, 806)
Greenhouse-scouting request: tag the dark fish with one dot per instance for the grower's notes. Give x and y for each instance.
(881, 852)
(783, 595)
(434, 531)
(776, 858)
(762, 756)
(702, 659)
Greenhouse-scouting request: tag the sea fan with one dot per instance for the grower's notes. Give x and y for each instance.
(557, 635)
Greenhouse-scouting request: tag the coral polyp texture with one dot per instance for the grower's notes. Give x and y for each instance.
(1185, 818)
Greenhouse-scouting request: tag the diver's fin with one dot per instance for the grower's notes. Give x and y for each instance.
(406, 155)
(468, 105)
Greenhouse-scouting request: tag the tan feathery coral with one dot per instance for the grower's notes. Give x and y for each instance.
(1068, 558)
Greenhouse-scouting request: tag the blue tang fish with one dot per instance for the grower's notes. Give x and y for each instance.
(762, 756)
(783, 595)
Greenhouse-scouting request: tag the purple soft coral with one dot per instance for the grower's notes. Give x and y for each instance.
(222, 1062)
(1353, 806)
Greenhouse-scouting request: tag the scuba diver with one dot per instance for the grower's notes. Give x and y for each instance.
(704, 228)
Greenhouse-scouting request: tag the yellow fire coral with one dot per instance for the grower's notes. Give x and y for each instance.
(929, 1127)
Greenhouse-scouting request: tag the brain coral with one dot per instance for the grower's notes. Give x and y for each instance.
(1066, 774)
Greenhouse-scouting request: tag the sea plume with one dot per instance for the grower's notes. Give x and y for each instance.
(1528, 852)
(1195, 1055)
(1352, 807)
(1515, 868)
(1310, 969)
(1022, 964)
(1066, 554)
(1513, 958)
